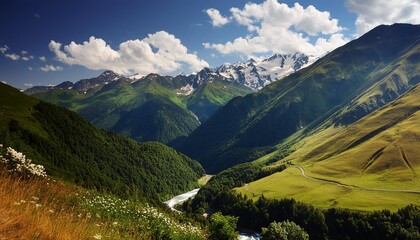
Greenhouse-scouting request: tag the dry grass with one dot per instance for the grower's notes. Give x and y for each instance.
(39, 209)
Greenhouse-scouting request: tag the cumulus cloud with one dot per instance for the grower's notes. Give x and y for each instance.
(51, 68)
(12, 56)
(160, 52)
(371, 13)
(42, 59)
(217, 20)
(4, 49)
(276, 27)
(23, 52)
(28, 85)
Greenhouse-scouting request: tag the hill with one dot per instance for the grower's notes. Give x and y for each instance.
(72, 149)
(337, 90)
(371, 164)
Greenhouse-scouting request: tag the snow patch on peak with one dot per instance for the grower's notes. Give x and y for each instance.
(186, 90)
(135, 76)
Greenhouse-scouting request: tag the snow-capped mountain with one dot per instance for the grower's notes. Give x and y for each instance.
(257, 74)
(252, 73)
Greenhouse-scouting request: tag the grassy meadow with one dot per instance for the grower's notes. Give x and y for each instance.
(291, 184)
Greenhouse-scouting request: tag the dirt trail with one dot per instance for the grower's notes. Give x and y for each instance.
(302, 171)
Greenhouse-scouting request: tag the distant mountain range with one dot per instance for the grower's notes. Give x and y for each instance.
(253, 74)
(165, 108)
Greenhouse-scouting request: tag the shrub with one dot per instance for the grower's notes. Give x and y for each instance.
(223, 227)
(284, 231)
(17, 163)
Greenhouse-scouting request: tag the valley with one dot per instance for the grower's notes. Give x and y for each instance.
(322, 147)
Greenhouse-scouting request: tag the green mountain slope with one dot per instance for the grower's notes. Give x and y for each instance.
(73, 149)
(375, 160)
(212, 95)
(337, 90)
(384, 145)
(150, 109)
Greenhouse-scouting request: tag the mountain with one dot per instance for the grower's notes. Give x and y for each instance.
(72, 149)
(164, 108)
(385, 144)
(256, 75)
(368, 165)
(337, 90)
(83, 86)
(148, 108)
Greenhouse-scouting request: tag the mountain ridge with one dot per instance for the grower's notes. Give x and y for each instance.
(295, 103)
(161, 108)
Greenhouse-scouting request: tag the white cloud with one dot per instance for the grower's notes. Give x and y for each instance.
(42, 59)
(28, 85)
(52, 68)
(4, 49)
(25, 58)
(23, 52)
(30, 68)
(276, 27)
(160, 52)
(217, 20)
(371, 13)
(12, 56)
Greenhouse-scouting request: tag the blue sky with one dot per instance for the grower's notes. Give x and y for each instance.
(167, 36)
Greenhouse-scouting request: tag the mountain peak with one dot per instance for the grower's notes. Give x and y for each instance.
(109, 74)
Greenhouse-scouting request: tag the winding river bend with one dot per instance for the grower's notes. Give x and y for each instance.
(181, 198)
(185, 196)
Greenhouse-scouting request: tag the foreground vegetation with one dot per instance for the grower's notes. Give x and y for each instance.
(36, 207)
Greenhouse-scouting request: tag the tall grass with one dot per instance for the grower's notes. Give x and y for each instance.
(39, 209)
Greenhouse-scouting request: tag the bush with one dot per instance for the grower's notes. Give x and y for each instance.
(17, 164)
(223, 227)
(284, 231)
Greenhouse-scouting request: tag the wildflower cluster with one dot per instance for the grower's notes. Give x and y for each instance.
(34, 201)
(16, 162)
(143, 218)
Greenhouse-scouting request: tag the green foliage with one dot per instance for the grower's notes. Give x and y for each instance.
(284, 231)
(72, 149)
(223, 227)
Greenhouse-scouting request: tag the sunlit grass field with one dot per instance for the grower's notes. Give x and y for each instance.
(291, 184)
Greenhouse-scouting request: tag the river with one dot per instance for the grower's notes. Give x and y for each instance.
(185, 196)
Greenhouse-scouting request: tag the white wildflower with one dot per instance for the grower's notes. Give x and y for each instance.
(17, 162)
(97, 236)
